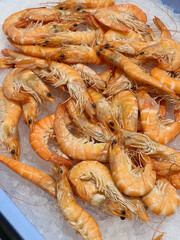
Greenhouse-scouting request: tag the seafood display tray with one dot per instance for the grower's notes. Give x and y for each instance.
(13, 218)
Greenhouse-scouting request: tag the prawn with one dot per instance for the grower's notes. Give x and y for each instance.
(88, 37)
(124, 108)
(133, 70)
(76, 148)
(162, 131)
(93, 130)
(10, 112)
(81, 4)
(42, 180)
(20, 83)
(76, 217)
(47, 15)
(132, 10)
(65, 74)
(6, 63)
(131, 180)
(42, 132)
(89, 76)
(118, 83)
(31, 34)
(166, 52)
(122, 21)
(103, 110)
(15, 18)
(166, 78)
(88, 192)
(152, 148)
(163, 199)
(77, 54)
(100, 175)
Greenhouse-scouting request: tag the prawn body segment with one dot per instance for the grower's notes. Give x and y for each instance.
(42, 180)
(163, 199)
(76, 217)
(10, 112)
(167, 53)
(131, 181)
(151, 124)
(125, 109)
(76, 148)
(165, 78)
(42, 131)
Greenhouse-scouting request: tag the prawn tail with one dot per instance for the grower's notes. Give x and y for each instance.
(61, 160)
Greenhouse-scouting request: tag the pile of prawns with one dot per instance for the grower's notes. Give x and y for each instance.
(111, 128)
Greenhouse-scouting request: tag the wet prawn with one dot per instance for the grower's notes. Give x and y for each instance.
(131, 180)
(76, 217)
(42, 132)
(162, 131)
(10, 112)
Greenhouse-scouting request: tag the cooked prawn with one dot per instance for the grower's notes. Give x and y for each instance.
(77, 54)
(42, 180)
(30, 35)
(162, 131)
(88, 192)
(167, 79)
(89, 76)
(122, 21)
(76, 217)
(19, 83)
(103, 110)
(133, 70)
(6, 63)
(118, 83)
(166, 52)
(124, 108)
(154, 149)
(76, 148)
(65, 75)
(10, 113)
(132, 10)
(47, 15)
(131, 180)
(100, 175)
(165, 33)
(81, 4)
(42, 132)
(93, 130)
(163, 199)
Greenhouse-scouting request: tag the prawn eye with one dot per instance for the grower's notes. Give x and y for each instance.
(78, 9)
(123, 212)
(49, 94)
(100, 50)
(141, 53)
(61, 171)
(60, 8)
(98, 53)
(13, 152)
(94, 105)
(62, 55)
(114, 142)
(111, 123)
(30, 121)
(106, 45)
(112, 129)
(75, 24)
(122, 218)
